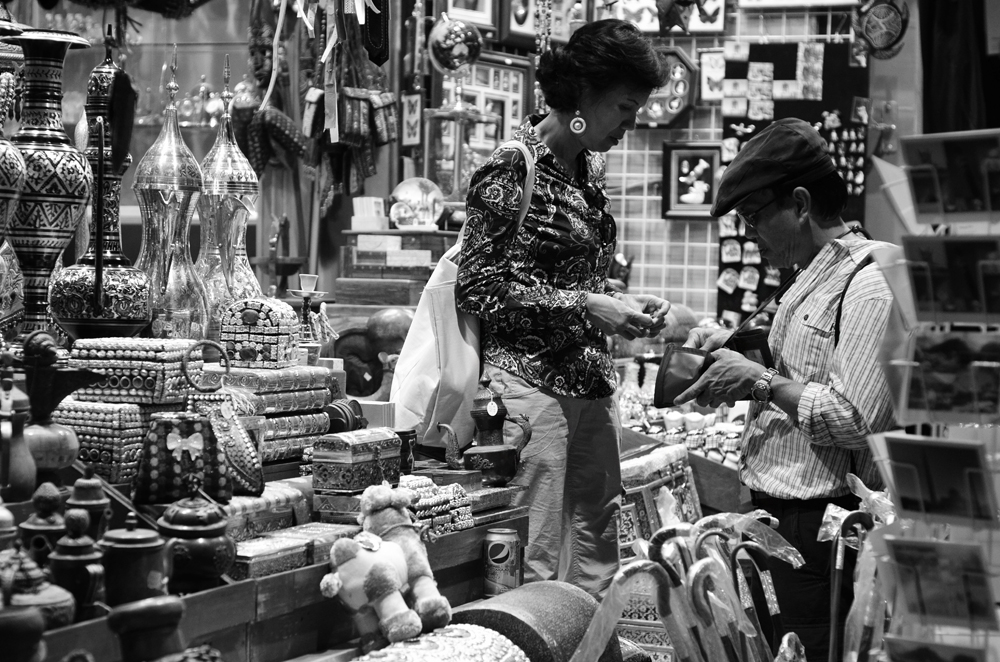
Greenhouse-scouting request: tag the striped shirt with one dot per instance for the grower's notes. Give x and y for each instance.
(846, 397)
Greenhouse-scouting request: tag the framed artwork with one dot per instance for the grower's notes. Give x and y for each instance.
(481, 13)
(517, 20)
(792, 4)
(691, 174)
(497, 83)
(707, 19)
(713, 73)
(667, 104)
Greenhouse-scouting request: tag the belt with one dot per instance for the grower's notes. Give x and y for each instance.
(772, 504)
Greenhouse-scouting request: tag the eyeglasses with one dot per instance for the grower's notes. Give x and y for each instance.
(750, 220)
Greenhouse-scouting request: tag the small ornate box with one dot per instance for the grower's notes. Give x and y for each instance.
(137, 370)
(348, 462)
(110, 435)
(295, 378)
(261, 557)
(260, 333)
(279, 507)
(319, 535)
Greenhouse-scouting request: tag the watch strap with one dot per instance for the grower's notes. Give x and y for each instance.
(761, 390)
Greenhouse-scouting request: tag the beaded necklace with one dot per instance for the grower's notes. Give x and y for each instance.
(543, 42)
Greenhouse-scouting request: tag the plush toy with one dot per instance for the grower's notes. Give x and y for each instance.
(369, 575)
(384, 513)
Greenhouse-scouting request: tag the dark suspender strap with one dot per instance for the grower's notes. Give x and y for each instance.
(843, 295)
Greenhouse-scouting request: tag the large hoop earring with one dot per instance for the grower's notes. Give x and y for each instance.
(578, 125)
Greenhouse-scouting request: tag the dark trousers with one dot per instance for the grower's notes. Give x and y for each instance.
(804, 594)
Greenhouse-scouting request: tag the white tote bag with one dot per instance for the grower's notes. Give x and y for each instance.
(437, 374)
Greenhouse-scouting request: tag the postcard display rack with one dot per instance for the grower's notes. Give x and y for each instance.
(941, 359)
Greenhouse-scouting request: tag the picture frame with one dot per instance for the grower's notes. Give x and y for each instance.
(691, 174)
(671, 102)
(645, 15)
(712, 65)
(497, 81)
(944, 583)
(517, 21)
(903, 649)
(752, 5)
(941, 480)
(481, 13)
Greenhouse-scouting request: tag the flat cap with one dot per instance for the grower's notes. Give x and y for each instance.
(786, 153)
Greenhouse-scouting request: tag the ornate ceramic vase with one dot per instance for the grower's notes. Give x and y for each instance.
(58, 181)
(228, 195)
(12, 168)
(102, 295)
(195, 529)
(168, 184)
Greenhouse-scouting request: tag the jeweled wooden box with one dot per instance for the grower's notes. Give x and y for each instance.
(348, 462)
(137, 370)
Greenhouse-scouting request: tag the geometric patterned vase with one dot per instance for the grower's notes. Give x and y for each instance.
(58, 182)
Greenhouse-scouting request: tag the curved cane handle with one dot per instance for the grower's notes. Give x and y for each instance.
(187, 357)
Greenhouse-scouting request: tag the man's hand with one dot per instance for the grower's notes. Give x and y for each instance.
(616, 317)
(653, 306)
(728, 379)
(707, 339)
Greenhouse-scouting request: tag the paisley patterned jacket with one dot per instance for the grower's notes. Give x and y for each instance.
(530, 291)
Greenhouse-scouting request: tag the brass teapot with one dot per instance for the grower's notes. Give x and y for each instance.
(497, 460)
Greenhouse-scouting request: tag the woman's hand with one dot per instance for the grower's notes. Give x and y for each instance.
(615, 317)
(655, 307)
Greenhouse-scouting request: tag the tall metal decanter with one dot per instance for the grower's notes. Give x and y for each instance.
(228, 195)
(168, 184)
(103, 294)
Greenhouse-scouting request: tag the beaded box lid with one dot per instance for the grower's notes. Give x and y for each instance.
(260, 333)
(136, 370)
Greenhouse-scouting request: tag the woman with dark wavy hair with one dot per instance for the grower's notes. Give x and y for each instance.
(546, 308)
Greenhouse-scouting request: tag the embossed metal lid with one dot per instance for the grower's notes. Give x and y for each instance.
(225, 169)
(193, 517)
(169, 165)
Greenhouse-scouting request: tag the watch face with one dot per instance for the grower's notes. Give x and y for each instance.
(759, 393)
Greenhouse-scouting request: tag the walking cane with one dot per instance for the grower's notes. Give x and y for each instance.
(853, 519)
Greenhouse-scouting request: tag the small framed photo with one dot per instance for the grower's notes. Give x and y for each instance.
(901, 649)
(672, 101)
(944, 583)
(481, 13)
(861, 110)
(691, 173)
(713, 73)
(941, 480)
(954, 278)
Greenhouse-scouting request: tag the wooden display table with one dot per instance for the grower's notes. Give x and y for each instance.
(276, 618)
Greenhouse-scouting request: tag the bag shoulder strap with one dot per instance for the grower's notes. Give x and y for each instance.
(529, 180)
(868, 259)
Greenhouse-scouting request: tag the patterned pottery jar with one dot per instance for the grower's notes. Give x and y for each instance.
(58, 181)
(117, 304)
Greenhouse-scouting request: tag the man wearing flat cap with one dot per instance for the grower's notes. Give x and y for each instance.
(811, 414)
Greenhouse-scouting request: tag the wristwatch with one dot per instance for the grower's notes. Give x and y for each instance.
(761, 389)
